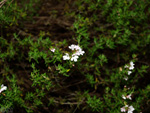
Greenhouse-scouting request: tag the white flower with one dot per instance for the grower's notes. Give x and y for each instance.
(77, 48)
(131, 66)
(66, 57)
(129, 72)
(126, 78)
(3, 88)
(126, 66)
(74, 58)
(127, 97)
(81, 52)
(123, 97)
(53, 50)
(130, 109)
(124, 108)
(72, 47)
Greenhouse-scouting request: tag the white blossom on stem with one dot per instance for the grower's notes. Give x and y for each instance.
(129, 72)
(77, 51)
(131, 65)
(130, 109)
(124, 108)
(3, 88)
(127, 97)
(127, 108)
(53, 50)
(74, 58)
(66, 57)
(126, 78)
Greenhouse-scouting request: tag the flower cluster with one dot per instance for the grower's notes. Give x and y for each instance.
(77, 51)
(127, 108)
(3, 88)
(130, 67)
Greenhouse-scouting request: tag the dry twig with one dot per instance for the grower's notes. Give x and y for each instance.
(2, 3)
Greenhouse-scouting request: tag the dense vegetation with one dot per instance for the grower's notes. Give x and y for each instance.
(73, 56)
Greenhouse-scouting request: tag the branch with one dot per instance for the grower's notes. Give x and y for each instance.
(2, 3)
(9, 4)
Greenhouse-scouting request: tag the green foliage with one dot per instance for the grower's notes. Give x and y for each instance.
(12, 96)
(112, 73)
(95, 103)
(40, 79)
(11, 11)
(90, 79)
